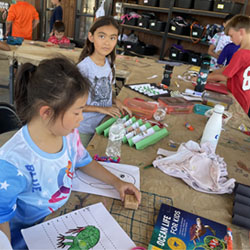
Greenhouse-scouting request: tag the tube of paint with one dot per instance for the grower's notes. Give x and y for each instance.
(241, 221)
(132, 141)
(242, 199)
(131, 128)
(241, 209)
(152, 139)
(243, 190)
(137, 131)
(106, 131)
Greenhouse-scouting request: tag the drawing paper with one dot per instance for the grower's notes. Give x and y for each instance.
(87, 184)
(67, 231)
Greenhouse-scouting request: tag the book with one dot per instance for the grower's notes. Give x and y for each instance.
(180, 230)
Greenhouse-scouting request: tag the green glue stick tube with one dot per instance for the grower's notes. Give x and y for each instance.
(129, 129)
(132, 141)
(152, 139)
(137, 131)
(105, 125)
(106, 131)
(129, 122)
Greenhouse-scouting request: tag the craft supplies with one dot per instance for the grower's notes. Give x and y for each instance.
(160, 113)
(201, 109)
(176, 105)
(149, 89)
(137, 137)
(212, 98)
(107, 159)
(130, 202)
(152, 139)
(140, 109)
(188, 126)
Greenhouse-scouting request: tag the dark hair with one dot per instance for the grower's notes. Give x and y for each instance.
(239, 22)
(228, 17)
(54, 82)
(89, 48)
(59, 26)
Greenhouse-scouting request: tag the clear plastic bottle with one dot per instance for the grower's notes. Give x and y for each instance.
(116, 134)
(212, 129)
(1, 32)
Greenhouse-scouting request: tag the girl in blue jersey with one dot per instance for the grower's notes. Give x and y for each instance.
(38, 163)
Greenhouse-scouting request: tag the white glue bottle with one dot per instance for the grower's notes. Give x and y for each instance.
(212, 129)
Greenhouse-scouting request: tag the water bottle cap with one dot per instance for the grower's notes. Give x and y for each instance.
(219, 108)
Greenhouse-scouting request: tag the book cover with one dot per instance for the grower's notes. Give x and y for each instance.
(179, 230)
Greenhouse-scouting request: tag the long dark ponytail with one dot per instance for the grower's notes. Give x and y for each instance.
(56, 83)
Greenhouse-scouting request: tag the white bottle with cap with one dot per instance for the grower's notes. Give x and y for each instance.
(212, 129)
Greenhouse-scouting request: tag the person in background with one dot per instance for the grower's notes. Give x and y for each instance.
(217, 43)
(4, 46)
(24, 18)
(37, 169)
(227, 53)
(58, 37)
(4, 7)
(237, 72)
(96, 62)
(57, 14)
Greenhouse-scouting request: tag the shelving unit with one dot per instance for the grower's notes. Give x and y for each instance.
(170, 11)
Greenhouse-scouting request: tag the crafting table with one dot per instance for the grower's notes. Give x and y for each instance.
(158, 187)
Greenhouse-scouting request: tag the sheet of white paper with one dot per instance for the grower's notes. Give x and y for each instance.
(67, 231)
(87, 184)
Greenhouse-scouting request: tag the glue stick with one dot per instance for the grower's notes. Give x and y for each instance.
(132, 141)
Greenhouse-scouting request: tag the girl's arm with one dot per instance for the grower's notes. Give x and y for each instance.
(211, 52)
(97, 171)
(4, 227)
(112, 111)
(122, 107)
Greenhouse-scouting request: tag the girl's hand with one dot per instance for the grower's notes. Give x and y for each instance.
(127, 188)
(112, 111)
(122, 107)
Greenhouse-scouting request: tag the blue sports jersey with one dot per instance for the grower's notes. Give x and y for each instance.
(34, 183)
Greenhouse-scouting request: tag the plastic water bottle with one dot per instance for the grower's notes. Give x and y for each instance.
(1, 32)
(116, 134)
(212, 129)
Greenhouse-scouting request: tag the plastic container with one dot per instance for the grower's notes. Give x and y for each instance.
(176, 105)
(201, 109)
(212, 98)
(154, 3)
(194, 58)
(157, 25)
(143, 22)
(165, 3)
(222, 6)
(116, 134)
(180, 30)
(203, 4)
(184, 4)
(213, 127)
(141, 109)
(178, 55)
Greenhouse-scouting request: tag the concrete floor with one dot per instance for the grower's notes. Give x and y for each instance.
(4, 79)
